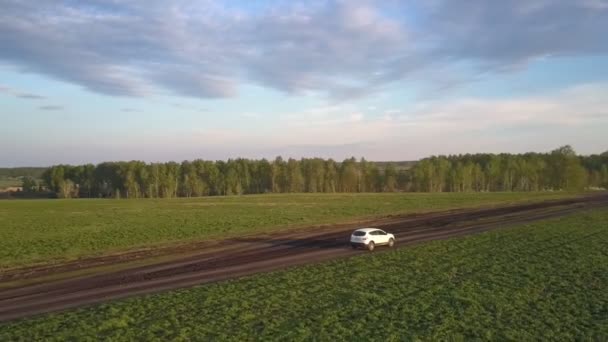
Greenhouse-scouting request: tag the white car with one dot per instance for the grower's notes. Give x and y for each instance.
(370, 238)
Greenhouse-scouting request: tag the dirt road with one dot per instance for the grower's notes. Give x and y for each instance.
(261, 253)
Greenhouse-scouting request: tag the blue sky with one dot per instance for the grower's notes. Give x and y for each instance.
(91, 80)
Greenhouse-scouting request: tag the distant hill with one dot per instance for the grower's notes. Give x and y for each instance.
(13, 176)
(18, 172)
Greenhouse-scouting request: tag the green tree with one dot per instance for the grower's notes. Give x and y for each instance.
(279, 175)
(424, 175)
(242, 168)
(295, 180)
(390, 178)
(29, 184)
(169, 179)
(331, 176)
(66, 189)
(440, 172)
(191, 184)
(567, 171)
(87, 181)
(479, 182)
(372, 177)
(604, 176)
(232, 182)
(349, 176)
(493, 173)
(154, 180)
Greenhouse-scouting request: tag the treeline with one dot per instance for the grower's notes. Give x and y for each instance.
(18, 172)
(561, 169)
(136, 179)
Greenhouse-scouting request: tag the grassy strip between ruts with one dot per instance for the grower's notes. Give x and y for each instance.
(540, 281)
(34, 231)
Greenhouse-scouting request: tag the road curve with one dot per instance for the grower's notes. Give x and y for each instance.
(253, 254)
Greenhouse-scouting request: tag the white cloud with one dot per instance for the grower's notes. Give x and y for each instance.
(356, 117)
(574, 115)
(343, 49)
(201, 49)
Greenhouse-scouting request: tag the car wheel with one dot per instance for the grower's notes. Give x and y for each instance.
(371, 246)
(391, 242)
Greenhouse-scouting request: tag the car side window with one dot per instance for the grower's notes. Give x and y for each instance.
(381, 232)
(375, 232)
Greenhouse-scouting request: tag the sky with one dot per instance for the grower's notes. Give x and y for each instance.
(86, 81)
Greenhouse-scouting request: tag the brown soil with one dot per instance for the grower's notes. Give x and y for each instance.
(206, 262)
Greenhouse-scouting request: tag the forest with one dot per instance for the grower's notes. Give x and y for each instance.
(14, 172)
(560, 169)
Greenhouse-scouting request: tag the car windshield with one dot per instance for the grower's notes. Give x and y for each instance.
(358, 233)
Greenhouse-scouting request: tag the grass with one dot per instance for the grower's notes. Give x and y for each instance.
(541, 281)
(46, 231)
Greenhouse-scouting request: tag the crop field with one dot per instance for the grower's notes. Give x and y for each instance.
(545, 280)
(43, 231)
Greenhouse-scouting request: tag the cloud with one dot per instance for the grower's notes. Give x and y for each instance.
(342, 49)
(31, 96)
(576, 115)
(20, 94)
(505, 34)
(51, 107)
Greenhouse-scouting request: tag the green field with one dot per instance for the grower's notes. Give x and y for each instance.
(9, 182)
(541, 281)
(34, 231)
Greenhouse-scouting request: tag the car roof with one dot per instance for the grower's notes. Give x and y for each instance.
(367, 230)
